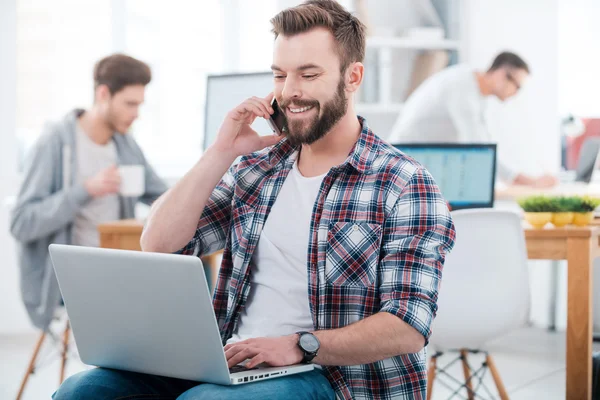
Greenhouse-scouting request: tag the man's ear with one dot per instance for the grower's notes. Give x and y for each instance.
(354, 76)
(102, 94)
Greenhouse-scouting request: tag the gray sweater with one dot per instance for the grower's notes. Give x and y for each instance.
(49, 200)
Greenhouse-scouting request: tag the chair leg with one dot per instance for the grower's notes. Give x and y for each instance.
(31, 367)
(64, 352)
(499, 385)
(467, 374)
(431, 375)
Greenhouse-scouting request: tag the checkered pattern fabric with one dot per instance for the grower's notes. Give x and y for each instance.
(380, 230)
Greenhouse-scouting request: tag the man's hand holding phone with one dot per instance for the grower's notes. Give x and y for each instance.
(236, 137)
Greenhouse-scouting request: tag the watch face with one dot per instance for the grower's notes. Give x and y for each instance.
(309, 343)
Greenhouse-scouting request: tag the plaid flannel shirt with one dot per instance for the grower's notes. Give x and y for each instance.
(380, 231)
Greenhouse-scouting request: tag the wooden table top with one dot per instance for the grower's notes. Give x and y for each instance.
(565, 232)
(122, 226)
(136, 226)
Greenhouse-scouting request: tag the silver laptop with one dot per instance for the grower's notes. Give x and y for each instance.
(149, 313)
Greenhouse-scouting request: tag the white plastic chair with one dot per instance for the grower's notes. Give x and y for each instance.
(484, 292)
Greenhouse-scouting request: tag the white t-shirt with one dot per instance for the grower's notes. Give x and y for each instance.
(447, 107)
(91, 159)
(278, 301)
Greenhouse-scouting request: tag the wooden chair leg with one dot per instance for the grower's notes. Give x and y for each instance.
(64, 352)
(499, 385)
(467, 374)
(31, 367)
(431, 375)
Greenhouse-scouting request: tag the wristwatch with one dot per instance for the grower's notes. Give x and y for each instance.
(309, 344)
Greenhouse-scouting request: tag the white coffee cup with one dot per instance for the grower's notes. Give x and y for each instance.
(132, 180)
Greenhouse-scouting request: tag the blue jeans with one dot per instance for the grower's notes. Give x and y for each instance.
(110, 384)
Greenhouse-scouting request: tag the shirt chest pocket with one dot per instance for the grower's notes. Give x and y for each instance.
(352, 253)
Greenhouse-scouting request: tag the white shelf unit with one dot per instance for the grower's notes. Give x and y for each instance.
(385, 46)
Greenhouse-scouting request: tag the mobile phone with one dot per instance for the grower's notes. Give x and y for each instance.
(275, 120)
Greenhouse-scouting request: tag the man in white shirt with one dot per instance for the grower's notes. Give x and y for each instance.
(450, 107)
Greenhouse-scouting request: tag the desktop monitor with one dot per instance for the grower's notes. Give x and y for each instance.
(589, 162)
(465, 173)
(225, 92)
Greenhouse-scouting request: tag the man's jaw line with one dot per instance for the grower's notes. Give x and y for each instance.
(327, 143)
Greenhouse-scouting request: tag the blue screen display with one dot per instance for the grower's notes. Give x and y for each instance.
(465, 175)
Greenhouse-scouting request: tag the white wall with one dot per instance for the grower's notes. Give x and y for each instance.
(579, 62)
(12, 314)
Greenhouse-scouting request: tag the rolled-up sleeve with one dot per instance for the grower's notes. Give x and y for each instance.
(417, 235)
(213, 226)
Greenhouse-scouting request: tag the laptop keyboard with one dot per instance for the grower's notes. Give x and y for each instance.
(240, 368)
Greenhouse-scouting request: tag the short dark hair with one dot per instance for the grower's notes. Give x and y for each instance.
(508, 59)
(349, 33)
(119, 70)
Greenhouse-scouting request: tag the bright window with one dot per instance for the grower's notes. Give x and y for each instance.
(58, 43)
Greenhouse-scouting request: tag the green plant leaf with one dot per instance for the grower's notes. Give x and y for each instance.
(558, 203)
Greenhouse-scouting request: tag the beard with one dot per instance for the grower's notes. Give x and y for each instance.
(112, 121)
(308, 132)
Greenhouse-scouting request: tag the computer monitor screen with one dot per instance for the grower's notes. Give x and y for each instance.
(589, 162)
(225, 92)
(465, 173)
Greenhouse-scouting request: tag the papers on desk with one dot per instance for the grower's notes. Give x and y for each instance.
(515, 192)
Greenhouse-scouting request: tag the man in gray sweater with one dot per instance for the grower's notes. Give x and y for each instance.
(71, 180)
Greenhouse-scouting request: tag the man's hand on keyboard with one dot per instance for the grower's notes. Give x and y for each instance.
(276, 352)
